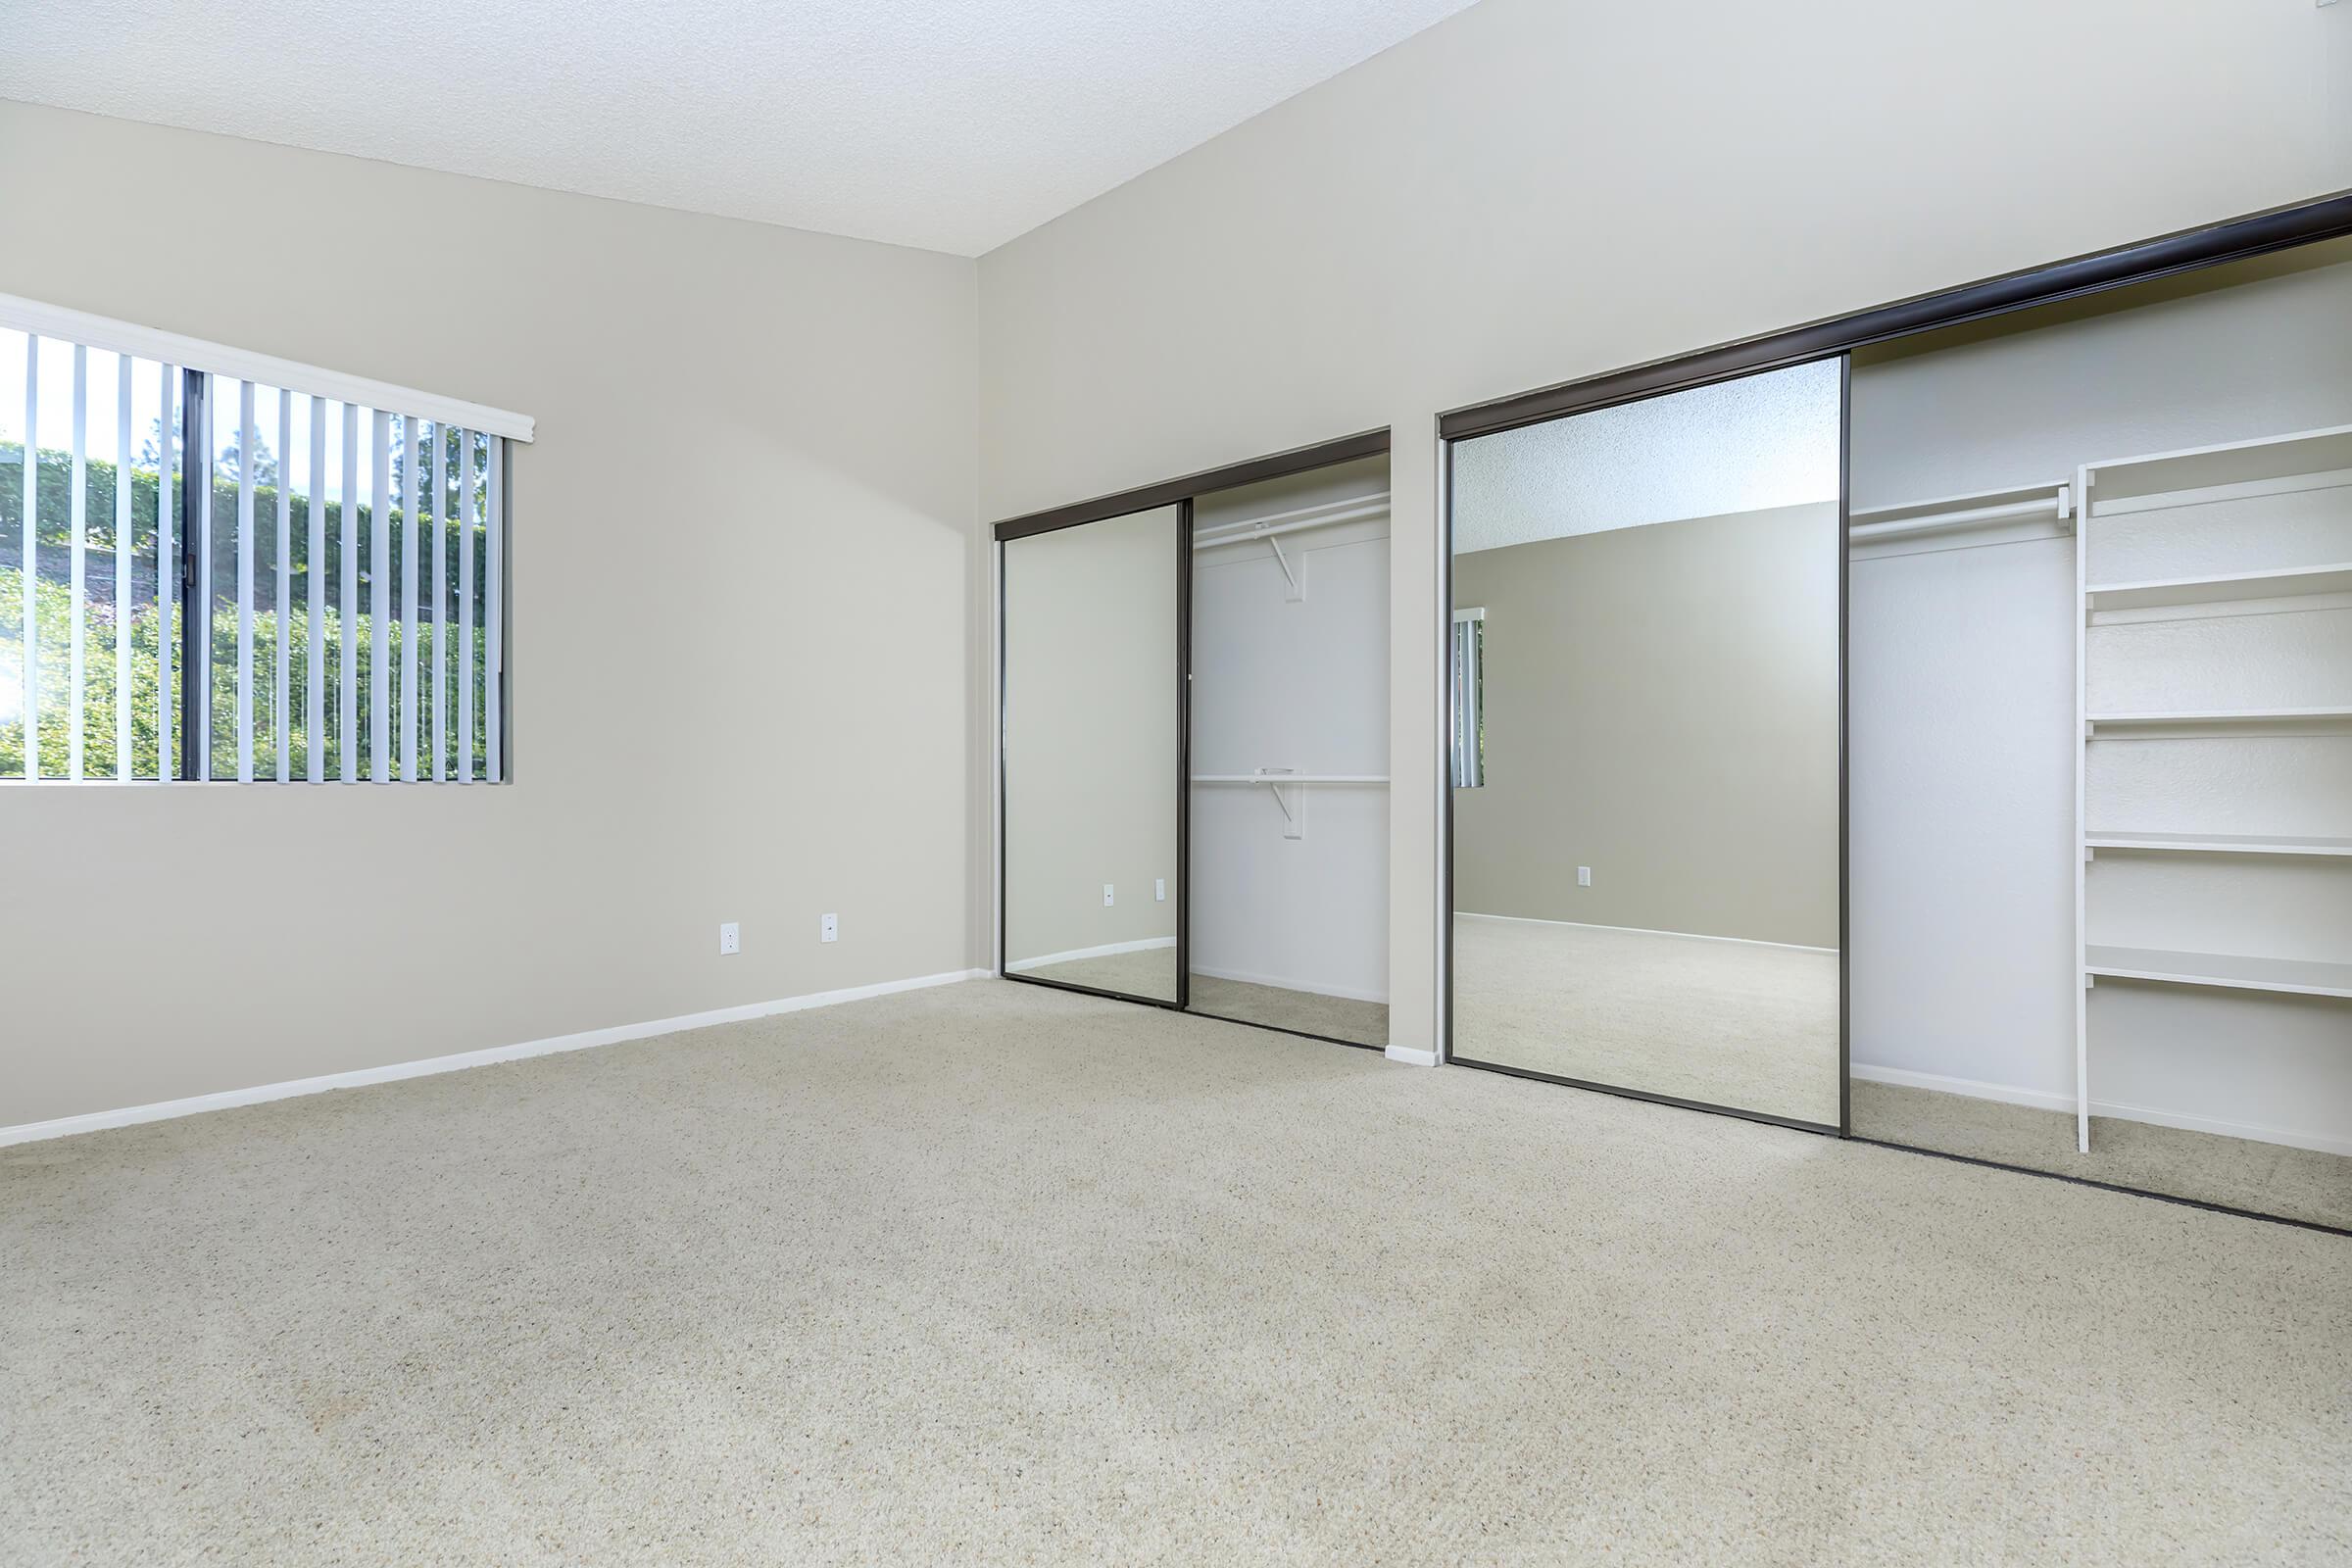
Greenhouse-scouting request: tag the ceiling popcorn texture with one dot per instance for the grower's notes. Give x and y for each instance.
(949, 127)
(1739, 446)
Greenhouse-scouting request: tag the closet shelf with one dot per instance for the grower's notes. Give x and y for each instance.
(2286, 582)
(1289, 778)
(2286, 976)
(2222, 720)
(2217, 842)
(2234, 471)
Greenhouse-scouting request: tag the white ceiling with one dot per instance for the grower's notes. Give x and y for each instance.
(949, 125)
(1739, 446)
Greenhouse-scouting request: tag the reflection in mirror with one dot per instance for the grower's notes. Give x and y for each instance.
(1644, 747)
(1090, 755)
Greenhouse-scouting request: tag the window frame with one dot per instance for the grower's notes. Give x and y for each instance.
(198, 369)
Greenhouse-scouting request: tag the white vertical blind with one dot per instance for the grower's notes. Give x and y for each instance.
(406, 487)
(347, 631)
(464, 606)
(440, 610)
(78, 501)
(379, 605)
(122, 566)
(285, 588)
(411, 540)
(29, 526)
(245, 457)
(494, 662)
(166, 573)
(314, 684)
(196, 451)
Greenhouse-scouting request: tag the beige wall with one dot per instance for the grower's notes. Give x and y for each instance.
(1661, 706)
(1532, 191)
(1089, 768)
(742, 686)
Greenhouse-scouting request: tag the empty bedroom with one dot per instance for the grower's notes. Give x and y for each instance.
(1473, 781)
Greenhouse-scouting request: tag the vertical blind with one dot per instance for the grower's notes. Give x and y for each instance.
(204, 576)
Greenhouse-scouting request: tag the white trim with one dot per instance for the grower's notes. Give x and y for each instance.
(1023, 965)
(243, 364)
(2045, 1100)
(1313, 989)
(166, 1109)
(1973, 1087)
(1411, 1058)
(1641, 931)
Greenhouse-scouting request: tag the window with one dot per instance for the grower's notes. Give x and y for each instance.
(1469, 739)
(215, 566)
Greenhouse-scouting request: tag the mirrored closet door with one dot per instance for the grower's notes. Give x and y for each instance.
(1092, 716)
(1645, 732)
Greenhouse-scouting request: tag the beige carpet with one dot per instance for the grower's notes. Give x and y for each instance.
(1000, 1274)
(2267, 1178)
(1151, 973)
(1726, 1023)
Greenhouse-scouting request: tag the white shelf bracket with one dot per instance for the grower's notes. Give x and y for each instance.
(1293, 811)
(1296, 589)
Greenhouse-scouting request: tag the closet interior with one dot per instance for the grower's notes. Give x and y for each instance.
(2101, 665)
(1194, 745)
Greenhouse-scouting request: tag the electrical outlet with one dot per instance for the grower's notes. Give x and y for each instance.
(730, 939)
(828, 928)
(1159, 891)
(1584, 876)
(1106, 895)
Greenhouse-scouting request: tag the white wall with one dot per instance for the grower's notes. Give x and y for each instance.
(1532, 191)
(742, 686)
(1961, 714)
(1302, 684)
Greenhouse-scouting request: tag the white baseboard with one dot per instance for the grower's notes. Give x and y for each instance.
(2043, 1099)
(1973, 1087)
(1411, 1058)
(1107, 949)
(1283, 983)
(166, 1109)
(1639, 931)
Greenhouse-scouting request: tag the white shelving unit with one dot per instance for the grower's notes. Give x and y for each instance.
(2261, 527)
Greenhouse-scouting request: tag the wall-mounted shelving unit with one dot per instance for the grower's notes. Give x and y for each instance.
(2253, 527)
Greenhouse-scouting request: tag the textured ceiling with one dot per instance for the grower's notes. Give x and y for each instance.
(953, 126)
(1762, 441)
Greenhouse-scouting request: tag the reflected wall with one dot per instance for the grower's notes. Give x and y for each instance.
(1091, 699)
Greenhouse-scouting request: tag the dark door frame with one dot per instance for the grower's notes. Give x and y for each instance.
(1842, 1127)
(1179, 493)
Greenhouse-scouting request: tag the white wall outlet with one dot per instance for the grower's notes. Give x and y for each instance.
(1584, 876)
(730, 938)
(1159, 891)
(828, 928)
(1106, 896)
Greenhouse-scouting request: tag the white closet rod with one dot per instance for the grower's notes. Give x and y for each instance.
(1321, 516)
(2050, 506)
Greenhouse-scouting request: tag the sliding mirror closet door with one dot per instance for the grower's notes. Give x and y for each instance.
(1648, 890)
(2102, 737)
(1289, 845)
(1090, 737)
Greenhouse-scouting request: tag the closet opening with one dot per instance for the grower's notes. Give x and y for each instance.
(1193, 744)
